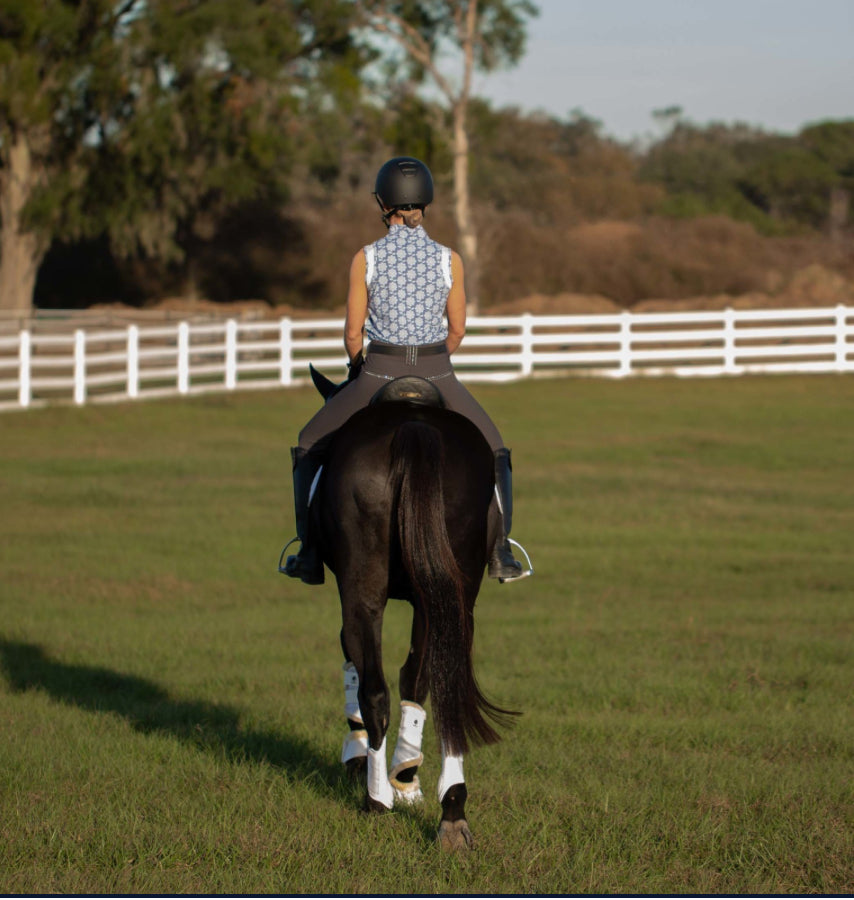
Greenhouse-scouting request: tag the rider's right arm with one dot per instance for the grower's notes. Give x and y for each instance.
(456, 305)
(357, 307)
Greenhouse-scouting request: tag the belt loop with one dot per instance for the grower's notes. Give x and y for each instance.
(411, 355)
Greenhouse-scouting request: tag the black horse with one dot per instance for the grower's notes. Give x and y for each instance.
(405, 509)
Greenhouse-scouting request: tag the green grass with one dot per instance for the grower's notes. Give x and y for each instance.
(171, 709)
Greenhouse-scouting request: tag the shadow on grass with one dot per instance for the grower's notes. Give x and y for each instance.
(151, 710)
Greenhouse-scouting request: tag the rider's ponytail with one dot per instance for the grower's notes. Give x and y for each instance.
(412, 218)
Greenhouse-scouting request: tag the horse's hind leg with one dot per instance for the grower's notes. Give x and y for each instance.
(454, 831)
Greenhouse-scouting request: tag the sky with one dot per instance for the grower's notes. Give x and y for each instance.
(775, 64)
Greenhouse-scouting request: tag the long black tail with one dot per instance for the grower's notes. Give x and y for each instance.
(460, 710)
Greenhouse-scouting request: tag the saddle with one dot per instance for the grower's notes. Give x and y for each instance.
(406, 389)
(409, 389)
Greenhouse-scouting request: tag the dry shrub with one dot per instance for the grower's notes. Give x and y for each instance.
(300, 259)
(519, 258)
(660, 259)
(816, 285)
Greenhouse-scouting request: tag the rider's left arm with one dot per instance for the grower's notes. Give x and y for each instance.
(357, 307)
(456, 306)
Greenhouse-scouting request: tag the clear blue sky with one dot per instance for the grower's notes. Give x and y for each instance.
(777, 64)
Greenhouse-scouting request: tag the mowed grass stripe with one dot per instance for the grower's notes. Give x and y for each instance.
(171, 708)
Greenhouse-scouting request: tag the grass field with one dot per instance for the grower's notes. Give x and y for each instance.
(171, 708)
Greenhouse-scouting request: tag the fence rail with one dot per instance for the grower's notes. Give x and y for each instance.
(91, 365)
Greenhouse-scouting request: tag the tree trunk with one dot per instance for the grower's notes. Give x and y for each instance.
(840, 204)
(21, 252)
(462, 208)
(462, 205)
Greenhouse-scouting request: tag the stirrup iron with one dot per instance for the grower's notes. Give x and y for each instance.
(525, 573)
(282, 568)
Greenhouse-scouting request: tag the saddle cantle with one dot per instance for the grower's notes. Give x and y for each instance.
(409, 389)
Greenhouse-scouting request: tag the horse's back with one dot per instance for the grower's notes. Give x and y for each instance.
(363, 443)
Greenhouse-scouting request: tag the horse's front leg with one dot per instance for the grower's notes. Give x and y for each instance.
(407, 756)
(354, 753)
(454, 831)
(414, 687)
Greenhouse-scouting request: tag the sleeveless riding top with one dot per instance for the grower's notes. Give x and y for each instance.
(408, 279)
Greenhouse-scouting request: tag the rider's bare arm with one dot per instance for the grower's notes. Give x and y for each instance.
(456, 308)
(357, 307)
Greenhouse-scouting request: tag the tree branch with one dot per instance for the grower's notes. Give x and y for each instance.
(467, 44)
(383, 20)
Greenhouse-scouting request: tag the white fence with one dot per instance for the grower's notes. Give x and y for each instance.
(52, 364)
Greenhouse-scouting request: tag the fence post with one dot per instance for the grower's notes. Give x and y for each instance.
(286, 376)
(133, 361)
(625, 344)
(729, 341)
(841, 338)
(79, 367)
(25, 380)
(183, 357)
(231, 354)
(527, 340)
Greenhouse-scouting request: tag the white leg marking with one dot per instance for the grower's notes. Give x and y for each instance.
(452, 773)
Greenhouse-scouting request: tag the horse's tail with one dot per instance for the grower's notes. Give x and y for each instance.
(460, 709)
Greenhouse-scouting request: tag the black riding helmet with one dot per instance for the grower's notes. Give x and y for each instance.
(403, 183)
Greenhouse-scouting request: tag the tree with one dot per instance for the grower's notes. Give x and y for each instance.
(702, 168)
(776, 182)
(833, 144)
(146, 119)
(44, 48)
(485, 34)
(791, 184)
(558, 173)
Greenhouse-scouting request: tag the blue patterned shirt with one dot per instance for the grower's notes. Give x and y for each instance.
(408, 279)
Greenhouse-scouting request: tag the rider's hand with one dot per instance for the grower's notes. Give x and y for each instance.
(354, 367)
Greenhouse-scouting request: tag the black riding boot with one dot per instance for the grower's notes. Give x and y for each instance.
(307, 564)
(502, 565)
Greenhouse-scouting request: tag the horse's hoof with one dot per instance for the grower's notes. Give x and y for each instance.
(357, 769)
(374, 806)
(454, 836)
(407, 793)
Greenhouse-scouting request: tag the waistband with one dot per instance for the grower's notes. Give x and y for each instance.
(410, 352)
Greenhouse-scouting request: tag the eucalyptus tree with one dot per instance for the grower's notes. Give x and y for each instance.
(483, 35)
(145, 119)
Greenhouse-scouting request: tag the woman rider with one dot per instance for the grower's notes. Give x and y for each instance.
(402, 288)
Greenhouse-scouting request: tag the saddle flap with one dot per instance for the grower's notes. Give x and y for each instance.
(409, 389)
